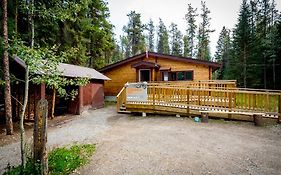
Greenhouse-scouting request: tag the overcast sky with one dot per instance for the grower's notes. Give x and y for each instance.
(223, 13)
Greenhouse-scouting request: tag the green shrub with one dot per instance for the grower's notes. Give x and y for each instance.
(61, 161)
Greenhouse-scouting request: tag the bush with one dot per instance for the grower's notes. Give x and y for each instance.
(61, 161)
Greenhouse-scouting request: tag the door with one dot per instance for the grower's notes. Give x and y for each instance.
(144, 75)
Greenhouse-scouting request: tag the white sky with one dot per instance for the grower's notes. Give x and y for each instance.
(223, 13)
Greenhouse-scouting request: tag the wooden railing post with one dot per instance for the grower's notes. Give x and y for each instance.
(279, 109)
(187, 101)
(230, 104)
(153, 98)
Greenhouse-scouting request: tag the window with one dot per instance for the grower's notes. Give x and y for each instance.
(189, 75)
(165, 76)
(181, 76)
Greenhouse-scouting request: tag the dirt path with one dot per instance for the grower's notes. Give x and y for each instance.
(85, 128)
(165, 145)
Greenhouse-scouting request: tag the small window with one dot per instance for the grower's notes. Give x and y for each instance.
(189, 75)
(180, 75)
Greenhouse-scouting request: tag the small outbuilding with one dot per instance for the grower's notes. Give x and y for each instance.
(152, 67)
(89, 96)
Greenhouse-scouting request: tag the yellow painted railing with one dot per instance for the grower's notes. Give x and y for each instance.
(179, 98)
(121, 99)
(205, 84)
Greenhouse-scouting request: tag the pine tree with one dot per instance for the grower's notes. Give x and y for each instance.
(222, 53)
(186, 47)
(191, 29)
(134, 31)
(163, 38)
(151, 30)
(204, 34)
(7, 92)
(241, 47)
(176, 40)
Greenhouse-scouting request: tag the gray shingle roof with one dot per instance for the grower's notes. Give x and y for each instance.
(74, 71)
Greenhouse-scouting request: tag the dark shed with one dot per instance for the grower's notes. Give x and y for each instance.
(89, 96)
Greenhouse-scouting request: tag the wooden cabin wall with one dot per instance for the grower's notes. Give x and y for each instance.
(119, 76)
(125, 73)
(201, 72)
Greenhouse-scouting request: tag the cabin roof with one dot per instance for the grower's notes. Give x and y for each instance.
(165, 56)
(73, 71)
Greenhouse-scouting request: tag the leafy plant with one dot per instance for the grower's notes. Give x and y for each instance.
(62, 161)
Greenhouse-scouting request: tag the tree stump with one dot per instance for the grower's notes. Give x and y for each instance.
(205, 117)
(258, 119)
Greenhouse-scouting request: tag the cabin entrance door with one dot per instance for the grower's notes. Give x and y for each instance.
(144, 75)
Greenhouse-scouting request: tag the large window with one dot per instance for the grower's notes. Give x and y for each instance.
(181, 76)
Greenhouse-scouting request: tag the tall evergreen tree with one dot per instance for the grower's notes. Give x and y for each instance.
(191, 29)
(163, 38)
(186, 47)
(204, 34)
(176, 40)
(134, 31)
(241, 47)
(7, 92)
(151, 32)
(222, 52)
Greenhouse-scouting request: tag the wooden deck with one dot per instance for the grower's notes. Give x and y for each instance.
(225, 101)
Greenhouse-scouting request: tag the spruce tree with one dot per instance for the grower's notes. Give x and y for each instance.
(222, 52)
(186, 47)
(163, 38)
(191, 30)
(151, 31)
(176, 40)
(204, 34)
(134, 31)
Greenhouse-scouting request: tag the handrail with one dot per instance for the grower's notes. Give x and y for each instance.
(265, 101)
(120, 98)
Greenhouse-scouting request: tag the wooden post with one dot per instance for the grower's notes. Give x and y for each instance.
(40, 137)
(80, 96)
(279, 109)
(229, 104)
(153, 97)
(205, 117)
(258, 119)
(187, 102)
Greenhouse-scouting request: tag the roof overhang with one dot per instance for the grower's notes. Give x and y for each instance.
(145, 64)
(69, 70)
(214, 65)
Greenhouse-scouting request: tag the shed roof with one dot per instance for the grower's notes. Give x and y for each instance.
(74, 71)
(165, 56)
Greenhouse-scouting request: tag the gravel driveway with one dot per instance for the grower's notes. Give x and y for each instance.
(129, 144)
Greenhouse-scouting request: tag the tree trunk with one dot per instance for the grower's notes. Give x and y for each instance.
(31, 23)
(7, 95)
(16, 17)
(53, 103)
(22, 132)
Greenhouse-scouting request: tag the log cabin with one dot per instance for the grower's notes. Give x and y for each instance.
(152, 67)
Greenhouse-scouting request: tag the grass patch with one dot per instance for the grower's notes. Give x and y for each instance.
(109, 103)
(61, 161)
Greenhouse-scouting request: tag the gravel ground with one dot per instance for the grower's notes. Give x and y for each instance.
(129, 144)
(85, 128)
